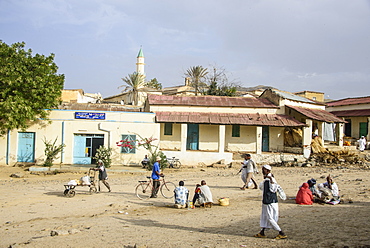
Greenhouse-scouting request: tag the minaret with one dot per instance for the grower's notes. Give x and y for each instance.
(140, 62)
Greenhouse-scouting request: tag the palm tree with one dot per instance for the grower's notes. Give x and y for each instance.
(134, 82)
(197, 74)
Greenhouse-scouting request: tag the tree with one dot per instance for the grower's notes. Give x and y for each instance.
(218, 83)
(197, 76)
(29, 86)
(134, 82)
(51, 151)
(153, 83)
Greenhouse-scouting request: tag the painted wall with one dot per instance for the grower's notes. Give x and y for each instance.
(355, 125)
(208, 137)
(171, 142)
(276, 139)
(246, 141)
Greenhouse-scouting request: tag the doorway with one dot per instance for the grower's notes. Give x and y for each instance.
(192, 141)
(85, 146)
(265, 139)
(26, 147)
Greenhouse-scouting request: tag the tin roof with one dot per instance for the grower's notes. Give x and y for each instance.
(352, 113)
(211, 101)
(317, 114)
(98, 107)
(228, 119)
(291, 96)
(350, 101)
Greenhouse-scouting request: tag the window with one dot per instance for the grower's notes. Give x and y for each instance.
(236, 131)
(314, 98)
(128, 143)
(167, 128)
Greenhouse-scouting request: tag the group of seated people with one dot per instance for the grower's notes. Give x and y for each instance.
(202, 195)
(326, 192)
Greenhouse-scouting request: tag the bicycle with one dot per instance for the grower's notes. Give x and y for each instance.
(145, 188)
(174, 163)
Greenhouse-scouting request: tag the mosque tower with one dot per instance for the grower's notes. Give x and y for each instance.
(140, 62)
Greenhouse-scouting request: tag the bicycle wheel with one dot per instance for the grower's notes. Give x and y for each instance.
(177, 164)
(167, 190)
(143, 191)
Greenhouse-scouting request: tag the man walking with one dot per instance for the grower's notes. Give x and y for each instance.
(270, 207)
(102, 174)
(248, 168)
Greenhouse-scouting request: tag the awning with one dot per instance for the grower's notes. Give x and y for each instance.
(273, 120)
(352, 113)
(317, 114)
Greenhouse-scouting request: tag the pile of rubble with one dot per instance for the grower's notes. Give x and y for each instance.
(322, 155)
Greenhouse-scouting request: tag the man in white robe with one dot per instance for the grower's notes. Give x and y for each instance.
(205, 195)
(270, 207)
(362, 143)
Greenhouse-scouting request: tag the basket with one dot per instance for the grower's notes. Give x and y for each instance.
(223, 201)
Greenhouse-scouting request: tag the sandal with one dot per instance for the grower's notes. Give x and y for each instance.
(281, 237)
(258, 235)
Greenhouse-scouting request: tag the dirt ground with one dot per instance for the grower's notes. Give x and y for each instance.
(34, 206)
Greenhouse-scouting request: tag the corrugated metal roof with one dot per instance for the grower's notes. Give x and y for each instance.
(317, 114)
(211, 101)
(273, 120)
(293, 97)
(350, 101)
(99, 107)
(350, 113)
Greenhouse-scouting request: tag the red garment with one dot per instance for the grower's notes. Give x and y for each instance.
(304, 195)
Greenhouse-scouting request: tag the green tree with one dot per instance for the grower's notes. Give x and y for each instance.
(104, 153)
(51, 151)
(29, 86)
(197, 75)
(153, 83)
(218, 83)
(135, 82)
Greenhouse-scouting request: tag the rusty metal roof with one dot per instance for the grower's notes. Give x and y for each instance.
(350, 101)
(317, 114)
(352, 113)
(211, 101)
(99, 107)
(273, 120)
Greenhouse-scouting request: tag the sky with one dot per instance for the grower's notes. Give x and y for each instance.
(291, 45)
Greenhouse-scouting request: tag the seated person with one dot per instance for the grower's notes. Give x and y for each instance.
(312, 186)
(145, 161)
(204, 195)
(329, 191)
(304, 195)
(181, 195)
(196, 193)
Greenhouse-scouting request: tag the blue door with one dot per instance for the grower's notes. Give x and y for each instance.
(192, 142)
(80, 153)
(265, 139)
(26, 147)
(85, 146)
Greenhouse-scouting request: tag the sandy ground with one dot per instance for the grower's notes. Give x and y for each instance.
(34, 206)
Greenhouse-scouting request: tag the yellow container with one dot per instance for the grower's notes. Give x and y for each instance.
(223, 201)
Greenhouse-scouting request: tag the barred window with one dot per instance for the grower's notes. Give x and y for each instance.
(129, 143)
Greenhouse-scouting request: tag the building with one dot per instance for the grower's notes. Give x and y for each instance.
(211, 128)
(318, 121)
(356, 112)
(83, 128)
(313, 95)
(79, 96)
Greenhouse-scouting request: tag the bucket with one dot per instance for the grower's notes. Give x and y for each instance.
(223, 201)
